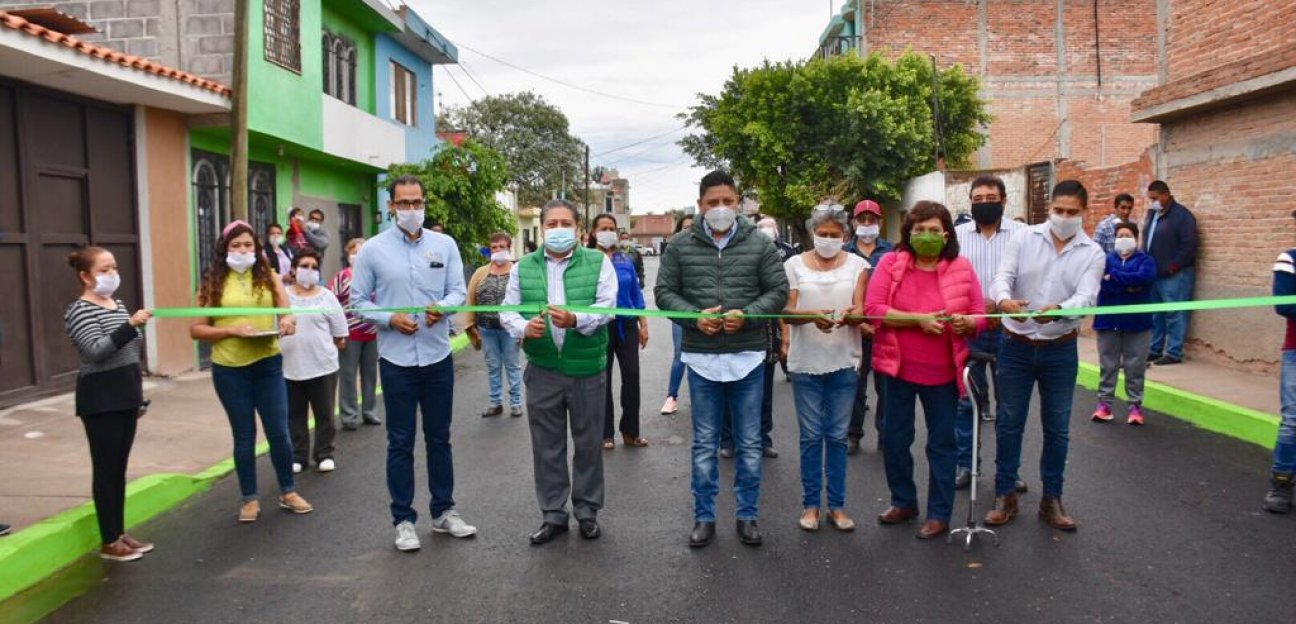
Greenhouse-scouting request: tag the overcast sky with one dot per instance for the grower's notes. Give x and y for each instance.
(661, 52)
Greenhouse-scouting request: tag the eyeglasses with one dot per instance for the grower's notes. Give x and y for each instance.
(409, 203)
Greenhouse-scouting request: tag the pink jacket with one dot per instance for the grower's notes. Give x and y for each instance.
(959, 289)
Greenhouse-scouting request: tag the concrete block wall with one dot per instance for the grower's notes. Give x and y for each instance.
(194, 35)
(1038, 61)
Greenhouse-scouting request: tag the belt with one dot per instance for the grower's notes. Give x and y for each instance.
(1042, 342)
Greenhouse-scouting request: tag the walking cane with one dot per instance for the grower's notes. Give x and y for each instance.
(974, 526)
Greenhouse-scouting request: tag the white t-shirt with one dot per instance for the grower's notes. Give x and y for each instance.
(310, 353)
(811, 350)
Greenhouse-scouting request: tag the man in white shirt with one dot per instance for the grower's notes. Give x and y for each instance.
(566, 362)
(1051, 266)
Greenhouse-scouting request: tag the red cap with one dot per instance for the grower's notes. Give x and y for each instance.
(868, 205)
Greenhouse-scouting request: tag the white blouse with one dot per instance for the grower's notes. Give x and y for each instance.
(811, 350)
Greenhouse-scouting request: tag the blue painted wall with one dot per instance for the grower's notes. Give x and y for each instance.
(421, 140)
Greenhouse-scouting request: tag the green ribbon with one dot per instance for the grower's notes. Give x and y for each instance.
(1140, 308)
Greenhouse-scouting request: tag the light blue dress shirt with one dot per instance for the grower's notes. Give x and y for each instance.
(723, 367)
(393, 271)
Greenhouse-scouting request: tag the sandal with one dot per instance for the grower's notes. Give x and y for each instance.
(639, 441)
(609, 444)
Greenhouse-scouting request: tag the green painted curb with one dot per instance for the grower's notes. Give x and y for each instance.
(1231, 420)
(42, 549)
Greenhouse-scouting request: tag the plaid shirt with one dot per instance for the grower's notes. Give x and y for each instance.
(1105, 233)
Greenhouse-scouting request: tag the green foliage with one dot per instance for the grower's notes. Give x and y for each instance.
(534, 137)
(846, 126)
(461, 183)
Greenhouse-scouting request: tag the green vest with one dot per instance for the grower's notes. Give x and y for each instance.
(581, 356)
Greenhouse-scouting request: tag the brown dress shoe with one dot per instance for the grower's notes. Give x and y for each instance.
(1005, 509)
(897, 515)
(932, 528)
(1052, 512)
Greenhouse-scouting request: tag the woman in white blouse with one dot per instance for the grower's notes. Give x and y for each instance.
(823, 354)
(311, 363)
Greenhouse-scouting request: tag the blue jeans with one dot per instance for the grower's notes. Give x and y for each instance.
(501, 352)
(677, 367)
(989, 341)
(710, 401)
(940, 406)
(1285, 449)
(405, 390)
(823, 405)
(244, 392)
(1170, 328)
(766, 411)
(1021, 366)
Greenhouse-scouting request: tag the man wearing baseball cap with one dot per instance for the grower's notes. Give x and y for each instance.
(869, 245)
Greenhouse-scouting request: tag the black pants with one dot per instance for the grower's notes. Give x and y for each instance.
(317, 394)
(623, 345)
(111, 435)
(856, 429)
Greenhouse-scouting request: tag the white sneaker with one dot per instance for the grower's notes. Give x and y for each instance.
(327, 466)
(451, 523)
(406, 538)
(297, 468)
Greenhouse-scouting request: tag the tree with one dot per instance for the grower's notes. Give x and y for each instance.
(460, 184)
(532, 134)
(849, 127)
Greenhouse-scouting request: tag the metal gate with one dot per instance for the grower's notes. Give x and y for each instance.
(1039, 182)
(67, 179)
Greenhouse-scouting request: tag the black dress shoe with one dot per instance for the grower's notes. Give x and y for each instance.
(589, 529)
(1167, 361)
(547, 532)
(703, 534)
(748, 533)
(770, 453)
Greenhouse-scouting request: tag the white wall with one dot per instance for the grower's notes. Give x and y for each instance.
(956, 193)
(355, 135)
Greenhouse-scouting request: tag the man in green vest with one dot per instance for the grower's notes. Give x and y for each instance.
(566, 359)
(721, 265)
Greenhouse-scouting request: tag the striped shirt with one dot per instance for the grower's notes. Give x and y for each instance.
(985, 254)
(109, 348)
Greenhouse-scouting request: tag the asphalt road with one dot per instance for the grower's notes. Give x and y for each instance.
(1171, 532)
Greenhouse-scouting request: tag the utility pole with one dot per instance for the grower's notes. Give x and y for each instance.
(238, 115)
(938, 143)
(587, 183)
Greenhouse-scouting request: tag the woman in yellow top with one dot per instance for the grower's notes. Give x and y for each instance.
(247, 368)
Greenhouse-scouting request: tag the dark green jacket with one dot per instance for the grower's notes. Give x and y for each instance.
(581, 356)
(747, 275)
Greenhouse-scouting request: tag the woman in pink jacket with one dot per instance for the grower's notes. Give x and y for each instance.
(926, 298)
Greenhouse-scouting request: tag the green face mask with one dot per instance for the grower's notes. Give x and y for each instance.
(927, 244)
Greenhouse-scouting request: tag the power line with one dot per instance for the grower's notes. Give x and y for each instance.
(640, 142)
(568, 84)
(456, 81)
(464, 67)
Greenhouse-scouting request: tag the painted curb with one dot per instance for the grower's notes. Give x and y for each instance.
(1210, 414)
(38, 551)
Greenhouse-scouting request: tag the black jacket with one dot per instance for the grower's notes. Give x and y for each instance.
(1174, 246)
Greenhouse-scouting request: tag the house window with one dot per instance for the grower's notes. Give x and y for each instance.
(283, 33)
(404, 102)
(340, 67)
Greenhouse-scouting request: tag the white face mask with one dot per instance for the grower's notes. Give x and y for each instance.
(769, 233)
(1064, 227)
(1126, 246)
(606, 239)
(867, 232)
(307, 278)
(312, 226)
(276, 240)
(827, 247)
(1155, 206)
(106, 284)
(410, 220)
(501, 257)
(720, 218)
(240, 262)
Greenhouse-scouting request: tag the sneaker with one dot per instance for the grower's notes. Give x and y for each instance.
(451, 523)
(327, 465)
(770, 453)
(5, 529)
(140, 547)
(293, 502)
(671, 406)
(406, 538)
(297, 468)
(1279, 498)
(119, 551)
(852, 445)
(515, 411)
(1152, 358)
(1167, 361)
(1135, 415)
(249, 512)
(1103, 412)
(372, 420)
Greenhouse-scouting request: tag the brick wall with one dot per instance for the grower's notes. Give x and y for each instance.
(1105, 183)
(1204, 34)
(1034, 79)
(194, 35)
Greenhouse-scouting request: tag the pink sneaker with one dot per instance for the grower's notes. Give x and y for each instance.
(1135, 415)
(1103, 412)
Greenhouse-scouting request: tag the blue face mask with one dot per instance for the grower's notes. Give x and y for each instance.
(560, 240)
